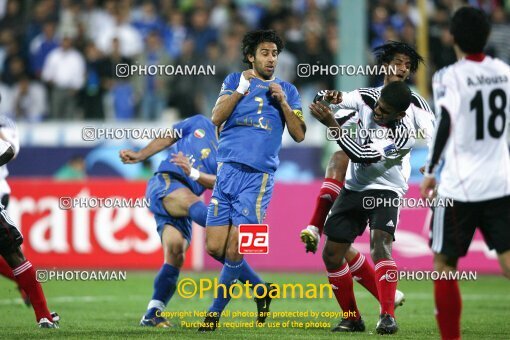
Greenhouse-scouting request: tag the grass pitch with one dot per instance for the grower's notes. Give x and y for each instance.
(94, 309)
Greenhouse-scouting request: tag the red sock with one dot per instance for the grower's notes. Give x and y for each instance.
(364, 274)
(448, 308)
(25, 277)
(327, 195)
(386, 280)
(5, 270)
(341, 282)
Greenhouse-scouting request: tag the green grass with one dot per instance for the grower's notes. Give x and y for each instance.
(113, 309)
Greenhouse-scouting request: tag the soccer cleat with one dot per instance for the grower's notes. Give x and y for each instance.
(400, 298)
(45, 323)
(210, 323)
(151, 320)
(310, 237)
(346, 325)
(386, 325)
(263, 304)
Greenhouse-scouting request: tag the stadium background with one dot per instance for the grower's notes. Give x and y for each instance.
(55, 161)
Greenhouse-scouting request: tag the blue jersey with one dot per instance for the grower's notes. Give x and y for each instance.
(200, 144)
(252, 135)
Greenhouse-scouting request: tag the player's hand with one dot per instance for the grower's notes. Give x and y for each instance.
(427, 187)
(182, 162)
(323, 114)
(333, 96)
(130, 156)
(249, 74)
(277, 93)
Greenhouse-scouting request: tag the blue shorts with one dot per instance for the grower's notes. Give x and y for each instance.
(158, 187)
(241, 195)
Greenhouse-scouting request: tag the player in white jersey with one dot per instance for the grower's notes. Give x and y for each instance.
(8, 133)
(472, 98)
(393, 56)
(379, 151)
(400, 61)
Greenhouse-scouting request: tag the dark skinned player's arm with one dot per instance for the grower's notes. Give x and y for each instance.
(337, 166)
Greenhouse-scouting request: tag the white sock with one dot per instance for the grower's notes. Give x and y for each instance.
(156, 304)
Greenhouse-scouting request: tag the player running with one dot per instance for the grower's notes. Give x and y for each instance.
(379, 169)
(174, 194)
(22, 270)
(472, 100)
(255, 107)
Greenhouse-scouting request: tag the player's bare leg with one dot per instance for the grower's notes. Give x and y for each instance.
(25, 277)
(504, 262)
(386, 277)
(340, 278)
(179, 203)
(447, 298)
(333, 183)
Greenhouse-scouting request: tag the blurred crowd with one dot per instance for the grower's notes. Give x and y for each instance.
(58, 58)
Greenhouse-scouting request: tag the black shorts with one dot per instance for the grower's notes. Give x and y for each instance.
(351, 212)
(10, 237)
(453, 227)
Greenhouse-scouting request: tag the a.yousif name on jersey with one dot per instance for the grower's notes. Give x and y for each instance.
(483, 80)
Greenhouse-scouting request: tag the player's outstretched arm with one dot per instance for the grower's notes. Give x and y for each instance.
(225, 104)
(294, 120)
(207, 180)
(155, 146)
(357, 153)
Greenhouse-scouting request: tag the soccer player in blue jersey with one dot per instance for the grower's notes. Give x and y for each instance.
(254, 108)
(174, 193)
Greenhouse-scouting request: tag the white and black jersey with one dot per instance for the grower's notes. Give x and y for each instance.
(9, 134)
(380, 155)
(472, 98)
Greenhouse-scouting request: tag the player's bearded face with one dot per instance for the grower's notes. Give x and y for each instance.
(265, 59)
(401, 63)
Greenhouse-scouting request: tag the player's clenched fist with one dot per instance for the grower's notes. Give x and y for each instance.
(330, 96)
(277, 92)
(130, 156)
(322, 113)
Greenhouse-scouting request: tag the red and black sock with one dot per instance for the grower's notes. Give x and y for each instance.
(25, 277)
(364, 274)
(327, 195)
(448, 308)
(386, 281)
(341, 282)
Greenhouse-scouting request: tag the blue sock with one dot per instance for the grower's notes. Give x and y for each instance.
(164, 287)
(248, 274)
(198, 212)
(228, 275)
